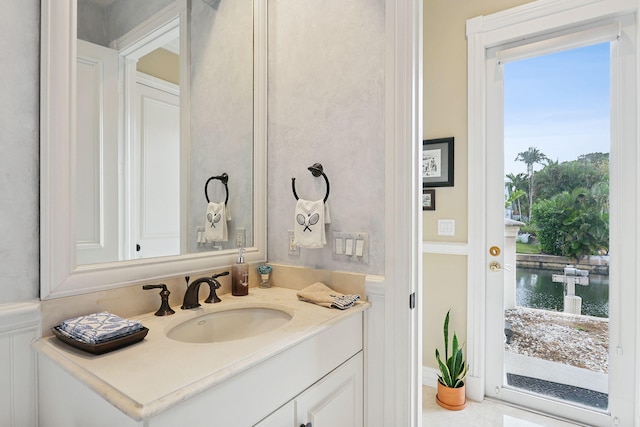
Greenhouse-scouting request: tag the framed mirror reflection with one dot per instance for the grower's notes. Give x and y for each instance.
(162, 105)
(143, 102)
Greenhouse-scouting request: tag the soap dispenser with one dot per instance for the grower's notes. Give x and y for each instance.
(240, 276)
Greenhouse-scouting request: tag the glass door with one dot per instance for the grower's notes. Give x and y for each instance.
(556, 170)
(548, 209)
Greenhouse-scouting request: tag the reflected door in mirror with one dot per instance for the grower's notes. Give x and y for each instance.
(156, 206)
(97, 208)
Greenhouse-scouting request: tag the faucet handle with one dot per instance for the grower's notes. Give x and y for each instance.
(213, 297)
(217, 284)
(224, 273)
(165, 309)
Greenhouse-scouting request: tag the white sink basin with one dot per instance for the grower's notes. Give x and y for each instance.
(229, 325)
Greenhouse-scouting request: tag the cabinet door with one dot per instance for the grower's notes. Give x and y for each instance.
(334, 401)
(283, 417)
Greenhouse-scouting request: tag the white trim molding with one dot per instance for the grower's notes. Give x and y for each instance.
(374, 381)
(19, 328)
(445, 248)
(403, 213)
(430, 376)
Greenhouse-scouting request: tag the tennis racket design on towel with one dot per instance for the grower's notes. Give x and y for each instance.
(213, 220)
(308, 221)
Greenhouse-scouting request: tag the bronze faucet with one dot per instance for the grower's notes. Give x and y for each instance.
(191, 295)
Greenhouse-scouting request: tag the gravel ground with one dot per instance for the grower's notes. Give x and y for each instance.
(581, 341)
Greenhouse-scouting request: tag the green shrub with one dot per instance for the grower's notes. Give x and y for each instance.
(572, 224)
(548, 217)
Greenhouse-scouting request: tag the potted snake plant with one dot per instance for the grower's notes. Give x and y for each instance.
(453, 369)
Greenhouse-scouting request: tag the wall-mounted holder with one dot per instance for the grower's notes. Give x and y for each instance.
(224, 178)
(316, 170)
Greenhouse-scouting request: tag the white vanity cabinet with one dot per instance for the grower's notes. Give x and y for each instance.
(306, 372)
(282, 417)
(334, 401)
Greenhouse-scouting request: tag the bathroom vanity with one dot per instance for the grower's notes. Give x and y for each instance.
(308, 370)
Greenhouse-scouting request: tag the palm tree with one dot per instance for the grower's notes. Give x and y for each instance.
(515, 184)
(531, 157)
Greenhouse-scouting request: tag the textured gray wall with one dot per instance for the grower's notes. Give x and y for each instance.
(326, 104)
(222, 112)
(102, 25)
(92, 23)
(19, 150)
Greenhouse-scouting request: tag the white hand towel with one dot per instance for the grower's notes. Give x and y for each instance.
(215, 226)
(309, 224)
(327, 213)
(321, 294)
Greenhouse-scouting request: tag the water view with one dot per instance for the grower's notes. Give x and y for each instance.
(535, 289)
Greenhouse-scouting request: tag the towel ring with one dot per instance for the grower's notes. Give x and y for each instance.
(224, 178)
(316, 170)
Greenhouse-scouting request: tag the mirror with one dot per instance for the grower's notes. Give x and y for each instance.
(209, 145)
(163, 106)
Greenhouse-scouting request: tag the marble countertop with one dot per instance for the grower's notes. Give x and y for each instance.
(148, 377)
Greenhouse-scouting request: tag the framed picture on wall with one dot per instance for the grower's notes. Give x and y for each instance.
(437, 162)
(428, 200)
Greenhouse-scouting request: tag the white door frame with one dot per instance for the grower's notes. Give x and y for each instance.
(540, 17)
(402, 394)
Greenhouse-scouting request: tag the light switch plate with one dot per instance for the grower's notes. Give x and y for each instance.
(293, 249)
(351, 247)
(446, 227)
(348, 246)
(359, 247)
(240, 236)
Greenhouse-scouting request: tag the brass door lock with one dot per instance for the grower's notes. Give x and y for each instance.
(495, 266)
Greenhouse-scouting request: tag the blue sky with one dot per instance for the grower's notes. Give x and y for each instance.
(558, 103)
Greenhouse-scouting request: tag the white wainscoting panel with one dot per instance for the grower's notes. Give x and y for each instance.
(19, 327)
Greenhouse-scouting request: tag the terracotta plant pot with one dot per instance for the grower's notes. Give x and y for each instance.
(453, 399)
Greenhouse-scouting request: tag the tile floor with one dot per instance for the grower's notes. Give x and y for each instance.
(486, 414)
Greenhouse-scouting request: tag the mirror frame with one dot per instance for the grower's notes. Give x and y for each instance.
(59, 274)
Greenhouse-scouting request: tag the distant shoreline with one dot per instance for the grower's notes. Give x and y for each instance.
(594, 264)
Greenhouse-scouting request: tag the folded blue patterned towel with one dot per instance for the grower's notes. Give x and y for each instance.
(98, 327)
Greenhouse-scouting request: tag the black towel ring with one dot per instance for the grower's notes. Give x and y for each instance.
(316, 170)
(224, 178)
